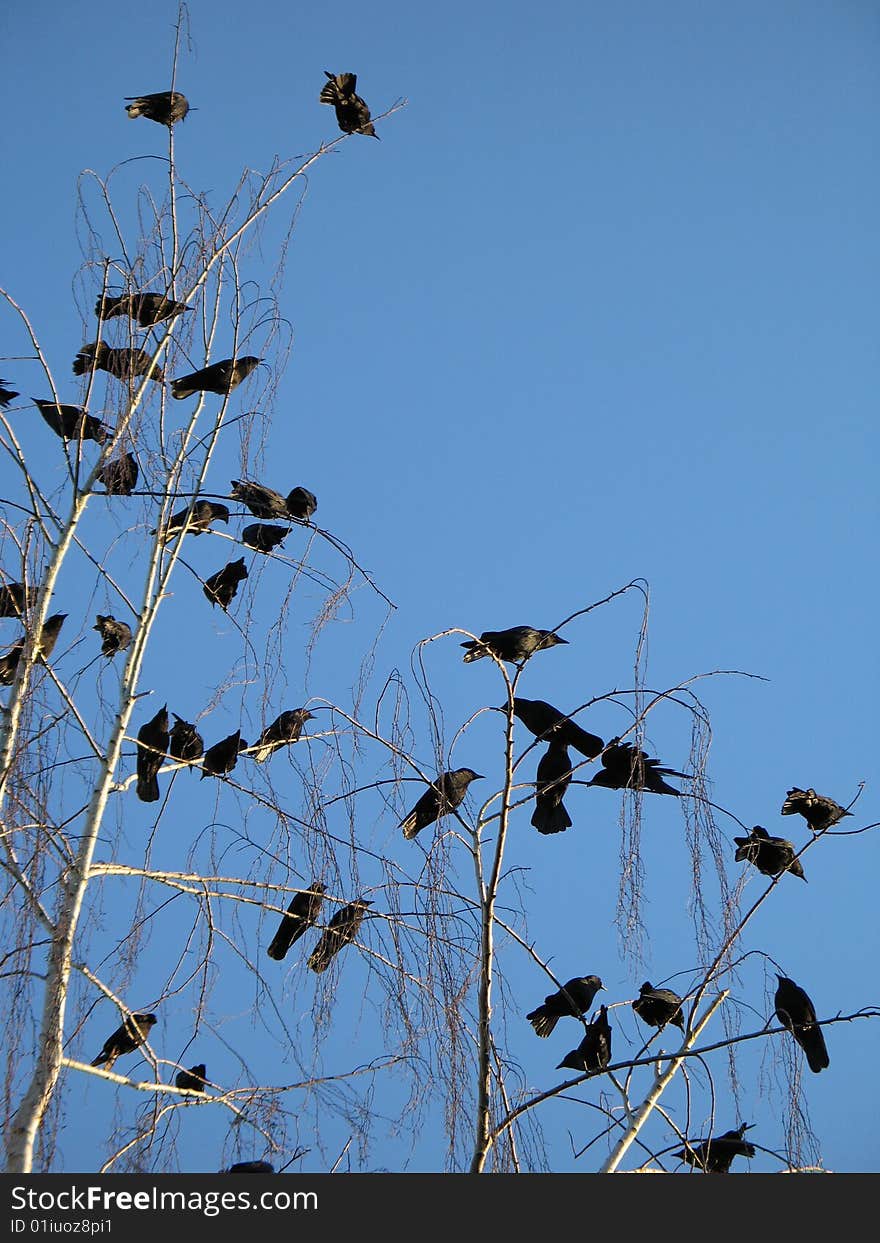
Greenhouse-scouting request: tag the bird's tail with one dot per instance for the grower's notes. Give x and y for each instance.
(410, 826)
(551, 819)
(476, 650)
(813, 1043)
(148, 789)
(542, 1023)
(180, 390)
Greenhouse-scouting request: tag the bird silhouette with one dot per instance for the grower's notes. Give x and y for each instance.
(300, 504)
(547, 722)
(626, 767)
(658, 1006)
(770, 855)
(441, 797)
(220, 378)
(594, 1051)
(352, 114)
(185, 743)
(115, 635)
(220, 759)
(264, 536)
(152, 746)
(14, 598)
(71, 422)
(6, 395)
(163, 107)
(301, 914)
(714, 1156)
(124, 364)
(284, 730)
(120, 476)
(194, 520)
(341, 930)
(553, 779)
(796, 1012)
(192, 1080)
(42, 647)
(572, 1000)
(819, 811)
(130, 1035)
(221, 588)
(146, 309)
(514, 646)
(263, 502)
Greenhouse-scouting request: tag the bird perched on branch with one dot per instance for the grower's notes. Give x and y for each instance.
(594, 1051)
(115, 635)
(71, 422)
(352, 114)
(658, 1006)
(129, 1036)
(341, 930)
(715, 1155)
(264, 536)
(163, 107)
(220, 759)
(626, 767)
(572, 1000)
(192, 1080)
(514, 645)
(6, 395)
(796, 1012)
(300, 504)
(219, 378)
(553, 779)
(146, 309)
(301, 914)
(152, 746)
(194, 520)
(14, 597)
(284, 730)
(185, 743)
(441, 797)
(819, 811)
(221, 588)
(43, 647)
(124, 364)
(545, 721)
(263, 502)
(250, 1167)
(770, 855)
(120, 476)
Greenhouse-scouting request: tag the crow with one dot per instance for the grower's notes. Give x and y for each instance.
(658, 1006)
(221, 588)
(626, 767)
(283, 731)
(6, 395)
(545, 721)
(352, 114)
(115, 635)
(152, 745)
(219, 378)
(220, 759)
(770, 855)
(146, 309)
(72, 422)
(515, 645)
(341, 929)
(573, 999)
(120, 476)
(125, 364)
(819, 811)
(594, 1051)
(264, 536)
(263, 502)
(301, 504)
(301, 914)
(553, 779)
(796, 1012)
(14, 597)
(192, 1080)
(250, 1167)
(715, 1155)
(129, 1036)
(43, 647)
(185, 743)
(441, 796)
(195, 521)
(163, 107)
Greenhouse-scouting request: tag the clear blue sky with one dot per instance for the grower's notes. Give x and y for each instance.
(600, 305)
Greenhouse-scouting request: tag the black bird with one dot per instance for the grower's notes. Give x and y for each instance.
(185, 743)
(6, 394)
(129, 1036)
(553, 779)
(341, 929)
(220, 759)
(125, 364)
(250, 1167)
(13, 598)
(594, 1051)
(514, 645)
(441, 796)
(72, 422)
(145, 309)
(819, 811)
(115, 635)
(263, 502)
(283, 731)
(120, 476)
(301, 504)
(352, 114)
(626, 767)
(796, 1012)
(152, 745)
(770, 855)
(196, 521)
(264, 536)
(301, 914)
(715, 1155)
(572, 1000)
(220, 377)
(45, 643)
(164, 107)
(222, 588)
(193, 1080)
(545, 721)
(658, 1006)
